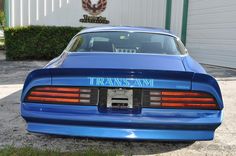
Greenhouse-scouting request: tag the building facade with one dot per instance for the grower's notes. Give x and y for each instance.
(207, 27)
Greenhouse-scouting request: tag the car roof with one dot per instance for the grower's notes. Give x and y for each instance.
(128, 29)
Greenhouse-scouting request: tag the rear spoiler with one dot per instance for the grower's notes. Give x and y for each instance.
(177, 80)
(207, 83)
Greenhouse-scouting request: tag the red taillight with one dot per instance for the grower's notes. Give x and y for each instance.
(65, 95)
(69, 95)
(53, 99)
(186, 99)
(59, 89)
(178, 99)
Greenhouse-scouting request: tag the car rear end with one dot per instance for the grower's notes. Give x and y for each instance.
(122, 104)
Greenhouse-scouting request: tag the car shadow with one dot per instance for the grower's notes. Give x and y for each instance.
(129, 147)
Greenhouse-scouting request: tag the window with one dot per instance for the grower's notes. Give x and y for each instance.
(127, 42)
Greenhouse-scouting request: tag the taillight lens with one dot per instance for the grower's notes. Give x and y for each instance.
(178, 99)
(63, 95)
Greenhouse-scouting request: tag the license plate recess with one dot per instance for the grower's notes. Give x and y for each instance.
(120, 98)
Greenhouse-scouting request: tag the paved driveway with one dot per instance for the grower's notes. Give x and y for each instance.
(12, 127)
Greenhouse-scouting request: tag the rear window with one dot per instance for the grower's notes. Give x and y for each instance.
(127, 42)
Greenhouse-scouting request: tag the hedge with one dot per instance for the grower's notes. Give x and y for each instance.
(37, 42)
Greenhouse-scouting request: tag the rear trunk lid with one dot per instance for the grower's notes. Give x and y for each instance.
(128, 78)
(123, 61)
(122, 70)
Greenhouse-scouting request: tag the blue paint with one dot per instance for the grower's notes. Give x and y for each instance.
(127, 28)
(93, 69)
(121, 133)
(150, 124)
(121, 61)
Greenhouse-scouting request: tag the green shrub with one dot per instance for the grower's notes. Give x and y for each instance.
(2, 44)
(37, 42)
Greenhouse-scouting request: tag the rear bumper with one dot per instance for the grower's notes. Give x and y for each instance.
(151, 124)
(121, 133)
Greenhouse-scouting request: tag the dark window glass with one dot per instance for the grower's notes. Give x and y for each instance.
(127, 42)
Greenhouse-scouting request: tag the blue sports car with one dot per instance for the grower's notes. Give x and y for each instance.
(123, 83)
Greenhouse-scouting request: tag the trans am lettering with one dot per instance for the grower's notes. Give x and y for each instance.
(123, 82)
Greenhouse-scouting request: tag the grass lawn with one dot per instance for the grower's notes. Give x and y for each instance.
(29, 151)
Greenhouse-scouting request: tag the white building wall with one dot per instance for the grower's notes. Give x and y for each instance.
(32, 14)
(68, 12)
(176, 17)
(150, 13)
(211, 33)
(24, 12)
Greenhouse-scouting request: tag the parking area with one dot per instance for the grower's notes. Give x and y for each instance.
(12, 126)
